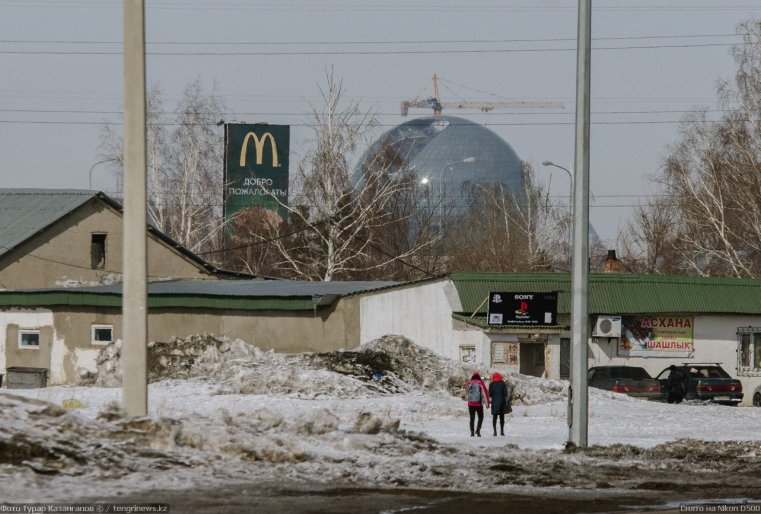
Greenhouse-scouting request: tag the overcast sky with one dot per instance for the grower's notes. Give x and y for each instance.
(652, 61)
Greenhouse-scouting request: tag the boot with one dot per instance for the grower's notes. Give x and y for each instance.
(495, 432)
(478, 432)
(471, 433)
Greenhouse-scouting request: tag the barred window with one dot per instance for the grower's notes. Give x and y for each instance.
(749, 349)
(745, 350)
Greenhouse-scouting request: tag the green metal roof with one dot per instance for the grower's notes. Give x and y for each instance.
(289, 295)
(620, 293)
(25, 212)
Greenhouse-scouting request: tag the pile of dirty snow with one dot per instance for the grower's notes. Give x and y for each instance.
(388, 365)
(394, 364)
(48, 440)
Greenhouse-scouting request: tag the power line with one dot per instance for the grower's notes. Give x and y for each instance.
(76, 266)
(362, 42)
(307, 125)
(365, 52)
(330, 7)
(396, 113)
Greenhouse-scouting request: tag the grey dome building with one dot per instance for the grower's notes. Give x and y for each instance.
(448, 153)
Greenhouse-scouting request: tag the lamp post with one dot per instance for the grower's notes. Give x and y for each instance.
(99, 162)
(570, 197)
(466, 160)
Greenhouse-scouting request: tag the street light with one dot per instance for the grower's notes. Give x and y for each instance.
(99, 162)
(570, 196)
(466, 160)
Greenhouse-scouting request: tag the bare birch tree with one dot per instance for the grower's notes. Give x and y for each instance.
(650, 242)
(509, 231)
(340, 221)
(712, 179)
(185, 177)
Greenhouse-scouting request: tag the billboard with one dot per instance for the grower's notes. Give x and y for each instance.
(522, 309)
(656, 336)
(256, 167)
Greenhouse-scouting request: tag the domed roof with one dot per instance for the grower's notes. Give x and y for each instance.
(449, 149)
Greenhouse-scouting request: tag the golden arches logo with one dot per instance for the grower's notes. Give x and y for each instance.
(259, 147)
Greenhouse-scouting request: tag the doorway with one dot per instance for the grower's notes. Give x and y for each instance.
(532, 359)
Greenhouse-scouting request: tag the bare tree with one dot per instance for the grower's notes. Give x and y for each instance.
(185, 177)
(509, 231)
(712, 177)
(341, 222)
(650, 243)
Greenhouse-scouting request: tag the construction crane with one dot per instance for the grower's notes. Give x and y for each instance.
(437, 105)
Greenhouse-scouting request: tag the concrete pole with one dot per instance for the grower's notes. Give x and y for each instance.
(134, 297)
(580, 268)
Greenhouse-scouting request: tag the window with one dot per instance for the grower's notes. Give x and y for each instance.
(468, 353)
(98, 251)
(102, 334)
(29, 339)
(745, 350)
(749, 350)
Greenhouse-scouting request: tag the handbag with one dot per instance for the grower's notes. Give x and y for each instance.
(508, 408)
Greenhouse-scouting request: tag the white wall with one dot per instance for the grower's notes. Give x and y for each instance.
(715, 340)
(422, 313)
(25, 319)
(465, 335)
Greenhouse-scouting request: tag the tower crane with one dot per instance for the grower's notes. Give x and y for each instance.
(437, 105)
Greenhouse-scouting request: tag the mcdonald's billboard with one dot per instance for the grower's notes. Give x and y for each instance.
(256, 167)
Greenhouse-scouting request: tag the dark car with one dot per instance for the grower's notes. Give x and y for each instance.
(631, 380)
(707, 382)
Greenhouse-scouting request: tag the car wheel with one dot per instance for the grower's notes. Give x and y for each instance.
(757, 399)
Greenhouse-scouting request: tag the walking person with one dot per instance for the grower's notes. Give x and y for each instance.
(675, 385)
(501, 395)
(476, 393)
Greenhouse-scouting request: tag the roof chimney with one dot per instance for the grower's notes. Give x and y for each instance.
(612, 263)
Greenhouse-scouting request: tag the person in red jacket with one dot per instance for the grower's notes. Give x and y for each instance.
(476, 394)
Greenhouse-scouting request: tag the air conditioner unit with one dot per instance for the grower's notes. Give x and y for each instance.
(607, 326)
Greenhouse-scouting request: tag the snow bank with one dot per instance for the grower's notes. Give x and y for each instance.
(388, 365)
(387, 413)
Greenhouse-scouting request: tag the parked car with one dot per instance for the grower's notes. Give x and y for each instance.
(631, 380)
(705, 382)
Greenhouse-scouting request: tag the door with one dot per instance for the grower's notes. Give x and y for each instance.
(532, 359)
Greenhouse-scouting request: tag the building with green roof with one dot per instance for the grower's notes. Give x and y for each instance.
(63, 329)
(651, 321)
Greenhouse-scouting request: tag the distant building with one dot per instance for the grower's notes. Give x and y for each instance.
(449, 154)
(63, 330)
(55, 237)
(651, 321)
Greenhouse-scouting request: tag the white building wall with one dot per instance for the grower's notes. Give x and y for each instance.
(422, 313)
(714, 339)
(32, 319)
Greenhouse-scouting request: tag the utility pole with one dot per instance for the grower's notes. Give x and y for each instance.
(134, 287)
(578, 429)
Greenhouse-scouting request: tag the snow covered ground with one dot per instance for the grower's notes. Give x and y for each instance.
(233, 413)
